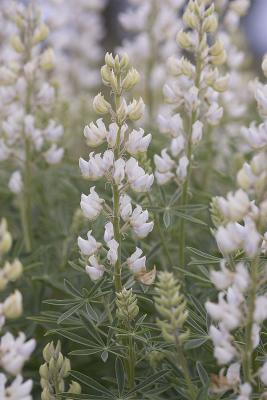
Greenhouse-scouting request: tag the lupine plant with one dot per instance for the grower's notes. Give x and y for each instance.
(134, 267)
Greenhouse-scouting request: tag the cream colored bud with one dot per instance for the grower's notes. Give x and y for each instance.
(136, 109)
(12, 306)
(49, 351)
(124, 64)
(17, 44)
(66, 367)
(100, 105)
(44, 372)
(75, 388)
(5, 238)
(191, 19)
(243, 179)
(264, 65)
(47, 61)
(105, 75)
(13, 271)
(131, 79)
(46, 395)
(218, 54)
(109, 60)
(3, 282)
(210, 10)
(7, 76)
(41, 33)
(183, 39)
(114, 82)
(210, 24)
(221, 84)
(122, 112)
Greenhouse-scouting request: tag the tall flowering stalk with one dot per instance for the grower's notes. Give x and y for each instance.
(119, 167)
(241, 237)
(194, 93)
(28, 129)
(14, 351)
(154, 24)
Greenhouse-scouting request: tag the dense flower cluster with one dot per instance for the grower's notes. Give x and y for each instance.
(120, 168)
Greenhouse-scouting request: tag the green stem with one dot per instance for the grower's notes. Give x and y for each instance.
(131, 363)
(184, 197)
(27, 201)
(248, 349)
(185, 370)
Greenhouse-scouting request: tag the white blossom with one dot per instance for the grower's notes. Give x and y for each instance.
(137, 142)
(139, 222)
(94, 269)
(15, 183)
(91, 204)
(137, 263)
(88, 246)
(112, 255)
(138, 179)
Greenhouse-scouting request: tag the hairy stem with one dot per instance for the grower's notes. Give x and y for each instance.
(185, 370)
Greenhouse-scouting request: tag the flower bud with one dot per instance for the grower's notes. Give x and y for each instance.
(114, 82)
(109, 60)
(183, 39)
(75, 388)
(124, 62)
(41, 33)
(12, 306)
(264, 65)
(13, 271)
(218, 54)
(5, 238)
(210, 24)
(221, 84)
(47, 61)
(100, 105)
(191, 19)
(46, 395)
(122, 112)
(131, 79)
(7, 76)
(17, 44)
(136, 109)
(127, 308)
(105, 75)
(44, 372)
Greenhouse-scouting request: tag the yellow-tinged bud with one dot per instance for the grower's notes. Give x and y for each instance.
(124, 61)
(210, 24)
(217, 52)
(47, 61)
(264, 65)
(210, 10)
(5, 238)
(41, 33)
(221, 84)
(136, 109)
(122, 112)
(131, 79)
(17, 44)
(243, 179)
(46, 395)
(44, 372)
(75, 388)
(191, 19)
(114, 82)
(3, 282)
(127, 308)
(109, 60)
(100, 105)
(12, 306)
(13, 270)
(183, 39)
(105, 75)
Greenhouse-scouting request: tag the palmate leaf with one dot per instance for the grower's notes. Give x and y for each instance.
(120, 375)
(91, 383)
(70, 312)
(149, 381)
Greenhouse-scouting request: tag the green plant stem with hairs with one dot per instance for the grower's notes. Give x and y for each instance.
(185, 370)
(248, 347)
(184, 197)
(116, 209)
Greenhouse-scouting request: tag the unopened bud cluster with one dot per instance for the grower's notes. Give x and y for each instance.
(27, 126)
(172, 308)
(153, 25)
(127, 308)
(14, 351)
(193, 90)
(54, 372)
(119, 167)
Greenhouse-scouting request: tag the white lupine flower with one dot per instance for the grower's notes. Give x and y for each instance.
(191, 99)
(261, 98)
(177, 145)
(252, 238)
(255, 335)
(236, 206)
(214, 114)
(125, 207)
(181, 170)
(135, 262)
(97, 166)
(256, 135)
(222, 279)
(112, 255)
(119, 171)
(224, 351)
(15, 183)
(109, 232)
(4, 151)
(263, 374)
(138, 179)
(233, 374)
(113, 132)
(197, 131)
(91, 204)
(171, 125)
(139, 222)
(15, 352)
(94, 269)
(53, 132)
(54, 154)
(88, 246)
(137, 142)
(260, 313)
(163, 178)
(95, 134)
(245, 392)
(46, 96)
(163, 163)
(17, 390)
(230, 237)
(241, 277)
